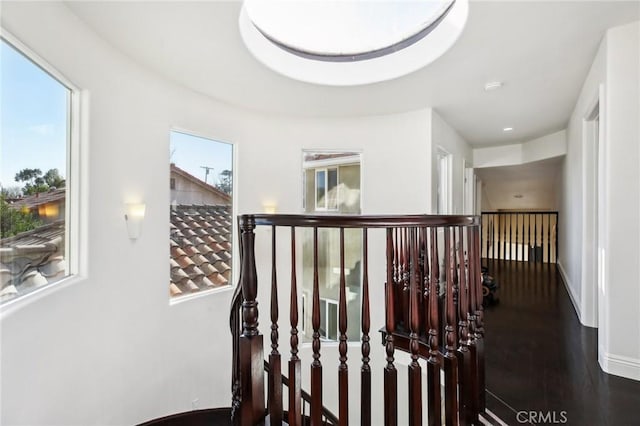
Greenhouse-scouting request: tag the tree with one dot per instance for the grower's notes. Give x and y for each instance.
(35, 182)
(226, 183)
(13, 221)
(53, 179)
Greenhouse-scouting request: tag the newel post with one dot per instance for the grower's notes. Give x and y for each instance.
(252, 406)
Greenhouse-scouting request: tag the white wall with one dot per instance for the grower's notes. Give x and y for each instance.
(620, 351)
(548, 146)
(110, 350)
(615, 68)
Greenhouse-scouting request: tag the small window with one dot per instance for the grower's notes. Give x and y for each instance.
(201, 194)
(329, 319)
(36, 116)
(327, 189)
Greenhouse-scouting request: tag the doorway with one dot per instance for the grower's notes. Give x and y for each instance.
(593, 202)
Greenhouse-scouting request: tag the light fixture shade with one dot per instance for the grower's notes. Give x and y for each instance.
(134, 215)
(269, 207)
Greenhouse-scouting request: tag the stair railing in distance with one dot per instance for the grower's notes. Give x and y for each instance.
(433, 311)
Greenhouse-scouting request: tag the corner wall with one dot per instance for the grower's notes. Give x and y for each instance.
(616, 69)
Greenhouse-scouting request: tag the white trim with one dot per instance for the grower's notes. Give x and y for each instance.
(334, 161)
(173, 301)
(567, 283)
(77, 179)
(593, 170)
(619, 365)
(235, 239)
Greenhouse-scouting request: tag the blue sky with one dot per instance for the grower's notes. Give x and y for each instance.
(33, 117)
(192, 153)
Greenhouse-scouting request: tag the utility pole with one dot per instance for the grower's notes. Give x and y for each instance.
(206, 172)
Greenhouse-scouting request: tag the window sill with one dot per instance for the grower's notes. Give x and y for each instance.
(12, 306)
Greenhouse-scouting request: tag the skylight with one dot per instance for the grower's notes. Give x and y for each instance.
(345, 29)
(350, 42)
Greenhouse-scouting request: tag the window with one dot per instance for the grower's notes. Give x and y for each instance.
(201, 187)
(38, 215)
(332, 184)
(329, 319)
(327, 189)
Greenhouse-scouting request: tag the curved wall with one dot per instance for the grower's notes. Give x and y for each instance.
(109, 349)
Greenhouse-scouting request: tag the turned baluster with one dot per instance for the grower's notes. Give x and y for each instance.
(450, 360)
(275, 368)
(316, 365)
(295, 391)
(479, 314)
(390, 372)
(473, 332)
(415, 373)
(343, 370)
(464, 355)
(365, 393)
(433, 363)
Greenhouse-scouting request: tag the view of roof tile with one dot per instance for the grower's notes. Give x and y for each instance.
(200, 248)
(32, 259)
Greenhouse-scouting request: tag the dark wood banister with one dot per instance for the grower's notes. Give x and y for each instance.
(462, 309)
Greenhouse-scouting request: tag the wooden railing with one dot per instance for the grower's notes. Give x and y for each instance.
(433, 311)
(521, 236)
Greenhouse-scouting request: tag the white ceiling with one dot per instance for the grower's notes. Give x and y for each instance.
(542, 52)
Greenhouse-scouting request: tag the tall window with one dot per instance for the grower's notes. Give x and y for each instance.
(35, 152)
(332, 185)
(201, 187)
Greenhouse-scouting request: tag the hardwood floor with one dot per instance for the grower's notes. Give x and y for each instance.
(541, 363)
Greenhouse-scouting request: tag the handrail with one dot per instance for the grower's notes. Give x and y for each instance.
(328, 415)
(359, 221)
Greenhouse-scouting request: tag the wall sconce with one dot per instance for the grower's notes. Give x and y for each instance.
(269, 208)
(134, 215)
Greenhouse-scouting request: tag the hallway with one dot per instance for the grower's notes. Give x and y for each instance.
(541, 362)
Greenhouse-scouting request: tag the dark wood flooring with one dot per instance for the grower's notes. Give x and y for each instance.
(541, 362)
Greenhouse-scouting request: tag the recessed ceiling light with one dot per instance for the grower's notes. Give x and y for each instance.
(507, 129)
(492, 85)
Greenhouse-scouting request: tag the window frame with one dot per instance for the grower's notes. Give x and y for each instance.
(76, 194)
(326, 171)
(324, 319)
(235, 241)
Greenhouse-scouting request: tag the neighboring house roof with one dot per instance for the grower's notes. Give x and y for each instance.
(40, 198)
(200, 255)
(200, 242)
(31, 259)
(177, 170)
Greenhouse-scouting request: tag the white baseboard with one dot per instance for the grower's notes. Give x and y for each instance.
(619, 365)
(574, 299)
